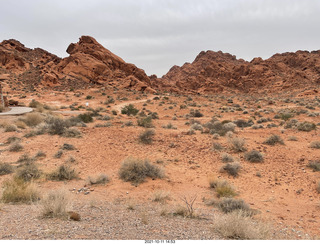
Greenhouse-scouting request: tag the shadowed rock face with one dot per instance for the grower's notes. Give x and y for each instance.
(217, 71)
(88, 63)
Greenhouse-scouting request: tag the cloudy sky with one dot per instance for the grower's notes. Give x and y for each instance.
(157, 34)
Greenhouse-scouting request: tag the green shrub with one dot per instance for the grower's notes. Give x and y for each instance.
(86, 117)
(273, 139)
(254, 156)
(145, 122)
(146, 137)
(129, 110)
(17, 190)
(222, 188)
(137, 170)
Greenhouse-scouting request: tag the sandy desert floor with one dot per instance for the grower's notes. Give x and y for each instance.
(282, 188)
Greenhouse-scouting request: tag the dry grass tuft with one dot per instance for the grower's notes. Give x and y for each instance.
(55, 204)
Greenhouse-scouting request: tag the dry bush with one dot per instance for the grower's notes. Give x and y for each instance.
(217, 146)
(314, 164)
(6, 169)
(28, 172)
(238, 226)
(228, 205)
(145, 122)
(231, 168)
(237, 144)
(63, 172)
(16, 147)
(227, 158)
(146, 137)
(20, 124)
(100, 179)
(18, 191)
(292, 138)
(306, 126)
(161, 196)
(32, 119)
(137, 170)
(72, 132)
(10, 128)
(55, 204)
(273, 139)
(56, 125)
(315, 144)
(254, 156)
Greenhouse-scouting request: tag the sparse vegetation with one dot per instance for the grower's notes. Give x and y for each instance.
(237, 144)
(145, 122)
(146, 137)
(231, 168)
(273, 139)
(222, 188)
(28, 172)
(16, 147)
(101, 179)
(129, 110)
(227, 158)
(137, 170)
(18, 191)
(315, 144)
(306, 126)
(161, 196)
(6, 169)
(254, 156)
(55, 204)
(63, 172)
(239, 226)
(314, 164)
(228, 205)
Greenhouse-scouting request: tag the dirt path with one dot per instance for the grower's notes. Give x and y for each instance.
(17, 111)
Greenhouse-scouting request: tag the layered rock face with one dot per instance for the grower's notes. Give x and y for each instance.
(88, 63)
(217, 71)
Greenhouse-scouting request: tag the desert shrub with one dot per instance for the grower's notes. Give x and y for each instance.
(20, 124)
(217, 146)
(86, 117)
(254, 156)
(315, 144)
(26, 159)
(100, 179)
(232, 168)
(169, 126)
(314, 164)
(56, 126)
(160, 196)
(306, 126)
(292, 138)
(228, 205)
(286, 116)
(273, 139)
(6, 169)
(136, 170)
(237, 144)
(63, 172)
(196, 113)
(34, 104)
(238, 226)
(196, 126)
(28, 171)
(145, 122)
(58, 154)
(222, 188)
(17, 190)
(12, 139)
(129, 110)
(242, 123)
(229, 126)
(10, 128)
(55, 204)
(32, 119)
(40, 154)
(16, 147)
(67, 146)
(146, 137)
(71, 132)
(227, 158)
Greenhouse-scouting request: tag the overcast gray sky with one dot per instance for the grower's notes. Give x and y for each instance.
(157, 34)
